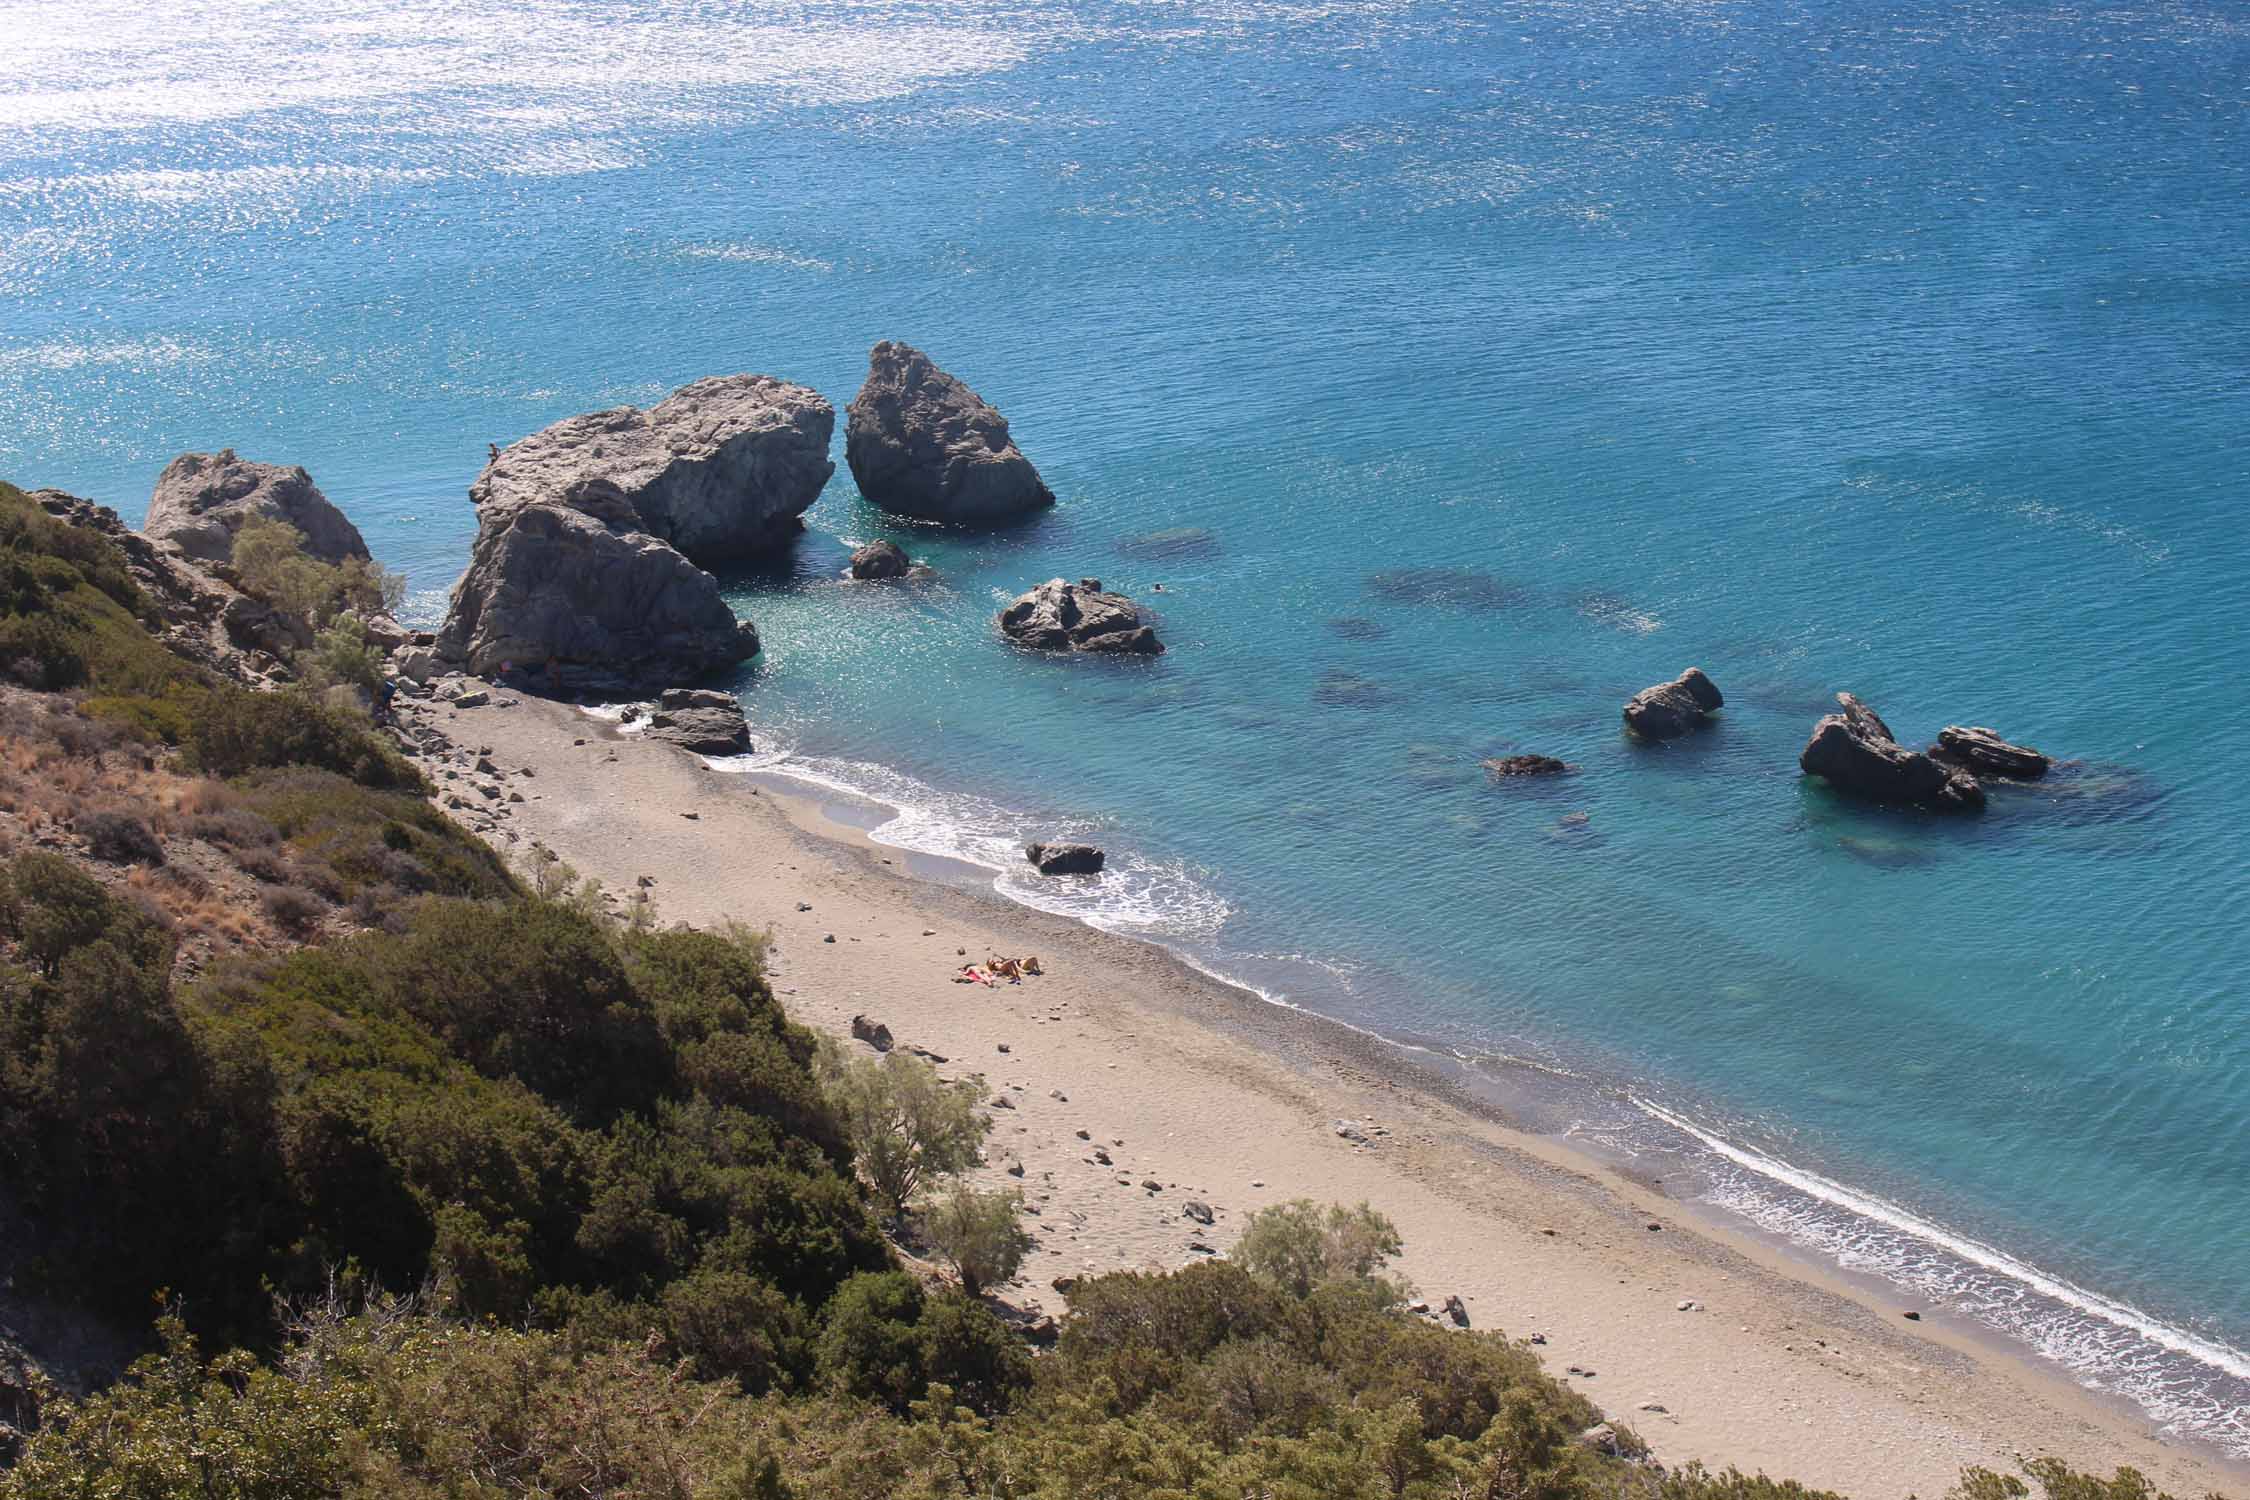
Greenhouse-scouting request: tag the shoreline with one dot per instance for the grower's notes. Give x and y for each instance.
(1784, 1364)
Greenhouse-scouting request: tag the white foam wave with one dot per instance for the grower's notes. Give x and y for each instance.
(2108, 1344)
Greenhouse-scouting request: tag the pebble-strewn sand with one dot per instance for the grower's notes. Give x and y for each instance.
(1219, 1097)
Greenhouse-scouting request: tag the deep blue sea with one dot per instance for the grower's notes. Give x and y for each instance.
(1457, 369)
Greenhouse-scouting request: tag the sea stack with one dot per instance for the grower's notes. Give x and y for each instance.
(1670, 709)
(590, 532)
(202, 499)
(1855, 752)
(1063, 616)
(922, 444)
(720, 469)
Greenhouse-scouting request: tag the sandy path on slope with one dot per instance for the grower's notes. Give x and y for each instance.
(1223, 1098)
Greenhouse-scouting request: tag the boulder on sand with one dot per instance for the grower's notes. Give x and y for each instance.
(1855, 752)
(202, 499)
(1066, 859)
(1064, 616)
(701, 721)
(720, 469)
(1670, 709)
(573, 575)
(1981, 752)
(922, 444)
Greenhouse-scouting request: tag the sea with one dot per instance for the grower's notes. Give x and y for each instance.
(1457, 369)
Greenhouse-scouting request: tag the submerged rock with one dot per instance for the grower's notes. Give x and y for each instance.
(1983, 752)
(879, 560)
(920, 443)
(1063, 616)
(1177, 544)
(1447, 588)
(1066, 859)
(202, 499)
(1670, 709)
(1525, 765)
(720, 469)
(1855, 752)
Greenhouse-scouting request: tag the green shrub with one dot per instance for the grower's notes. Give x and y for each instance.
(908, 1127)
(233, 731)
(979, 1235)
(1298, 1246)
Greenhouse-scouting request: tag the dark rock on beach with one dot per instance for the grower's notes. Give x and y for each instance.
(1670, 709)
(879, 560)
(874, 1033)
(920, 443)
(700, 720)
(1063, 616)
(1066, 859)
(1506, 766)
(1855, 752)
(1982, 752)
(202, 499)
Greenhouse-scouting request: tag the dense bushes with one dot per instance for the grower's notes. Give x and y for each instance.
(232, 731)
(68, 610)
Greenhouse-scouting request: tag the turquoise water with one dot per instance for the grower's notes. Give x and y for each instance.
(1457, 370)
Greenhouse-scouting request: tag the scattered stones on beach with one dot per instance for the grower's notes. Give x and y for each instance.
(1855, 752)
(920, 443)
(1657, 1407)
(1670, 709)
(1349, 1130)
(1504, 767)
(1059, 615)
(1457, 1311)
(1197, 1210)
(872, 1032)
(1066, 859)
(1690, 1305)
(1981, 752)
(1912, 1317)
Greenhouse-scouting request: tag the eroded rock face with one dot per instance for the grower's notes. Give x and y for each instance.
(920, 443)
(721, 469)
(573, 576)
(202, 499)
(1670, 709)
(1855, 752)
(1982, 752)
(1063, 616)
(1066, 859)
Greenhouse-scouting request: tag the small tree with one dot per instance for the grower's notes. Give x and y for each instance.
(1299, 1245)
(343, 656)
(979, 1234)
(908, 1126)
(271, 564)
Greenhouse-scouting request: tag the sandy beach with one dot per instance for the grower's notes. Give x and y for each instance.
(1711, 1344)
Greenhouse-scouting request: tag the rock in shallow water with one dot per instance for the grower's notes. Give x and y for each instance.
(700, 720)
(1525, 765)
(1671, 709)
(879, 560)
(1982, 752)
(1855, 752)
(920, 443)
(1066, 859)
(1063, 616)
